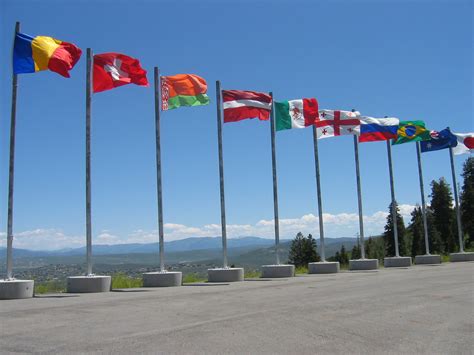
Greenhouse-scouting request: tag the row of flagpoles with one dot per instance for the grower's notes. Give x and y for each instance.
(109, 70)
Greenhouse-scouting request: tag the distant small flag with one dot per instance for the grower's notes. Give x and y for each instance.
(240, 105)
(378, 129)
(32, 54)
(411, 131)
(439, 140)
(465, 143)
(112, 70)
(183, 90)
(296, 113)
(333, 123)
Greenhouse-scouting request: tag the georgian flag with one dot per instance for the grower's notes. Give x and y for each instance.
(112, 70)
(333, 123)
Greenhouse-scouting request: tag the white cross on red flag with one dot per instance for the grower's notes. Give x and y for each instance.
(333, 123)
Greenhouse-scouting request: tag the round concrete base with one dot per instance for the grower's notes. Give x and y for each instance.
(16, 289)
(162, 279)
(455, 257)
(364, 264)
(225, 275)
(397, 261)
(277, 271)
(427, 259)
(88, 284)
(323, 267)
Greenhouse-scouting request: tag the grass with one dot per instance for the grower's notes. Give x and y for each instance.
(193, 278)
(301, 270)
(121, 280)
(52, 286)
(252, 274)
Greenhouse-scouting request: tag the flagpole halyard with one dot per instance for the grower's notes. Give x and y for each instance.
(318, 188)
(275, 186)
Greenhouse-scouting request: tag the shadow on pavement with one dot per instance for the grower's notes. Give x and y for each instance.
(207, 284)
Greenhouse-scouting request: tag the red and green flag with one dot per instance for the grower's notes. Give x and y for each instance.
(183, 90)
(296, 113)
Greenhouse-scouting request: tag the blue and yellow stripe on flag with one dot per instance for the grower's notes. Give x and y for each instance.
(32, 54)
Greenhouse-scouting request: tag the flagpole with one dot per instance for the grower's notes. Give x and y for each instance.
(318, 187)
(275, 187)
(456, 200)
(221, 172)
(88, 163)
(11, 171)
(359, 197)
(392, 191)
(158, 169)
(423, 203)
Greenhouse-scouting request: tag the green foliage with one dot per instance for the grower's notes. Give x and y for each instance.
(303, 250)
(121, 280)
(252, 274)
(356, 252)
(52, 286)
(193, 278)
(375, 248)
(389, 235)
(467, 201)
(342, 256)
(417, 231)
(444, 218)
(301, 270)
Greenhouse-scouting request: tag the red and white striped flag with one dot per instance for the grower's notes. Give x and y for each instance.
(337, 123)
(240, 105)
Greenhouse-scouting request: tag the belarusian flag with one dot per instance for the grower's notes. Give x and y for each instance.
(296, 113)
(183, 90)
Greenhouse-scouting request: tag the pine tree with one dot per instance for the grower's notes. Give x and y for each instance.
(343, 256)
(311, 250)
(389, 236)
(356, 252)
(303, 250)
(467, 200)
(417, 231)
(444, 217)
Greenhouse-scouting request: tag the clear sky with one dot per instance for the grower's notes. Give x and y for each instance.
(407, 59)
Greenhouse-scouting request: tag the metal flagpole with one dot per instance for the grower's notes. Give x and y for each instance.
(158, 169)
(88, 162)
(423, 203)
(221, 171)
(275, 187)
(456, 200)
(11, 171)
(359, 197)
(318, 187)
(392, 190)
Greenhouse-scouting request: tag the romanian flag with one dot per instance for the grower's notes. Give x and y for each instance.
(32, 54)
(183, 90)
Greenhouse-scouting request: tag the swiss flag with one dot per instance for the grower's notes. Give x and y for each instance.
(114, 69)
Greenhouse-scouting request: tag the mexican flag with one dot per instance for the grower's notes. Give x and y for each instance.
(296, 113)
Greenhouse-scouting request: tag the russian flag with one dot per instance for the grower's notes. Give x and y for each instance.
(378, 129)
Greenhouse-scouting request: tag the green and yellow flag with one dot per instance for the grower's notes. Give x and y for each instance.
(411, 131)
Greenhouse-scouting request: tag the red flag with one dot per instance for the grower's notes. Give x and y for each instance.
(114, 69)
(240, 105)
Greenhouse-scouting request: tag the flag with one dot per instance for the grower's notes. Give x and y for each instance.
(240, 105)
(112, 70)
(295, 113)
(336, 123)
(411, 131)
(465, 143)
(378, 129)
(439, 140)
(183, 90)
(32, 54)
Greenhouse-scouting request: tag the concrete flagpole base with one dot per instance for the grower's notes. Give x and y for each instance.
(162, 279)
(363, 264)
(324, 267)
(88, 284)
(16, 289)
(278, 271)
(397, 261)
(456, 257)
(427, 259)
(232, 274)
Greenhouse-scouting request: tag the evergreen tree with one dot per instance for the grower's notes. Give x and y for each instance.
(389, 236)
(467, 201)
(356, 252)
(303, 250)
(342, 256)
(417, 231)
(434, 238)
(444, 217)
(375, 248)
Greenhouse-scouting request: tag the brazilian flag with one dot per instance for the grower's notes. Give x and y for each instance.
(411, 131)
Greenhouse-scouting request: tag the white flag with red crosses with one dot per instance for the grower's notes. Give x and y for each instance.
(333, 123)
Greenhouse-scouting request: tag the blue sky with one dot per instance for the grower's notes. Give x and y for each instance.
(408, 59)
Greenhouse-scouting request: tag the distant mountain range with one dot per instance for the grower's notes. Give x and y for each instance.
(183, 245)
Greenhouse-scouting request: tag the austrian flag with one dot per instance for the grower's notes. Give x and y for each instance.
(240, 105)
(337, 123)
(114, 69)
